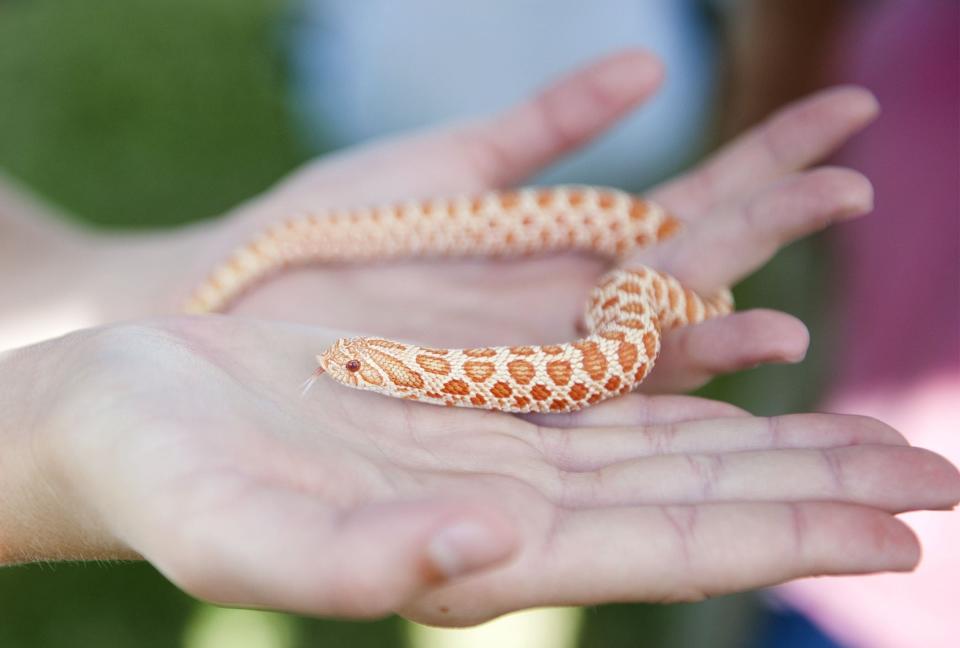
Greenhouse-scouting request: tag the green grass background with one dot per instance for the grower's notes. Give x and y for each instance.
(139, 113)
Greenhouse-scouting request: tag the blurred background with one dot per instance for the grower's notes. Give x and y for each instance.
(143, 114)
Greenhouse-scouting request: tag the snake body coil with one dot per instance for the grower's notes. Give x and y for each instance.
(626, 313)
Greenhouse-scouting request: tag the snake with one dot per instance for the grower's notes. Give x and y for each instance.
(627, 311)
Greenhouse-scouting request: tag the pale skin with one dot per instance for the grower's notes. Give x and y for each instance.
(185, 441)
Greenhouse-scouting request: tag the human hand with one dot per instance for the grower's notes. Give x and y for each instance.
(742, 205)
(187, 442)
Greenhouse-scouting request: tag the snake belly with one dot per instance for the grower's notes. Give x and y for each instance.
(627, 311)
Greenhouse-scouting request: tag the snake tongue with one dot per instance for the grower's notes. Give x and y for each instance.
(308, 383)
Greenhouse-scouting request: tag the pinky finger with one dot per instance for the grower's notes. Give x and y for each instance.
(693, 355)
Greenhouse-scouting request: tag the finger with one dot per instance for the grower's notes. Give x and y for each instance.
(280, 549)
(727, 247)
(890, 478)
(692, 355)
(677, 553)
(793, 138)
(486, 153)
(637, 410)
(591, 448)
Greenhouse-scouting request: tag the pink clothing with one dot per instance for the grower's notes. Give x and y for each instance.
(898, 307)
(899, 269)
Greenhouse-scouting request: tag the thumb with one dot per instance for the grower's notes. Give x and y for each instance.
(389, 553)
(276, 548)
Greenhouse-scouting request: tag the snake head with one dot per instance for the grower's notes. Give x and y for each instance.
(348, 361)
(370, 363)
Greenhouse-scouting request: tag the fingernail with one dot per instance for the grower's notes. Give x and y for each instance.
(466, 546)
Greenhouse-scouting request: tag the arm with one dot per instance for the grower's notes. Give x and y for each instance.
(57, 276)
(41, 253)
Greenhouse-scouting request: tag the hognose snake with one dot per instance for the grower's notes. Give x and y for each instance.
(626, 312)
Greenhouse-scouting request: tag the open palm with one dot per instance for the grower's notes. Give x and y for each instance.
(741, 206)
(187, 442)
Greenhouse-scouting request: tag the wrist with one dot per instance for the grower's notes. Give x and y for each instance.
(42, 514)
(21, 476)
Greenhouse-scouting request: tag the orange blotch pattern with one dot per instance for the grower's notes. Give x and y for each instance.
(386, 344)
(509, 199)
(649, 344)
(540, 392)
(633, 323)
(668, 228)
(476, 204)
(578, 392)
(501, 389)
(634, 308)
(641, 372)
(594, 362)
(674, 294)
(658, 290)
(559, 371)
(433, 364)
(691, 304)
(617, 336)
(638, 210)
(399, 373)
(521, 371)
(478, 371)
(456, 387)
(627, 355)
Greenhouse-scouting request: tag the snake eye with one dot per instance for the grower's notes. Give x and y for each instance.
(353, 365)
